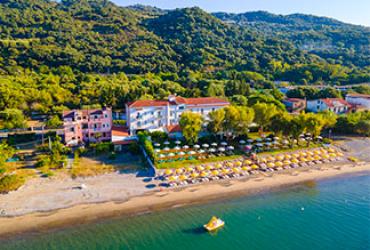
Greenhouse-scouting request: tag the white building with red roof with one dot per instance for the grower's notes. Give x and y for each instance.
(336, 105)
(155, 115)
(359, 100)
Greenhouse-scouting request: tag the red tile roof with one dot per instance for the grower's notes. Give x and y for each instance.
(147, 103)
(202, 101)
(173, 128)
(119, 131)
(294, 100)
(331, 102)
(359, 95)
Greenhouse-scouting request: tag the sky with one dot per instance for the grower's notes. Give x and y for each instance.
(350, 11)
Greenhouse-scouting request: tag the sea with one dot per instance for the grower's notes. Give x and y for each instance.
(327, 214)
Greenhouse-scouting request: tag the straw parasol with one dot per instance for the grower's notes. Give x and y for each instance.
(287, 162)
(294, 160)
(270, 158)
(235, 170)
(288, 157)
(225, 171)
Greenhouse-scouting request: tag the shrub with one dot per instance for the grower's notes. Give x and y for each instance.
(119, 122)
(134, 148)
(10, 183)
(102, 147)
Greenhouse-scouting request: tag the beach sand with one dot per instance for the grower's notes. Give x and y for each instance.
(115, 195)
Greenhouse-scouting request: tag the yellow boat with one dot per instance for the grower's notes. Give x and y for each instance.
(214, 224)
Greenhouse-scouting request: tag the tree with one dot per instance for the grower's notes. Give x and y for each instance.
(12, 118)
(5, 153)
(245, 118)
(363, 127)
(216, 123)
(191, 125)
(263, 114)
(280, 124)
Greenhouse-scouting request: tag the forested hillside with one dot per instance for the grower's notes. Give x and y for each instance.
(66, 54)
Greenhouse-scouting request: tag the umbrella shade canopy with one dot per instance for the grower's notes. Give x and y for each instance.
(223, 143)
(172, 178)
(238, 163)
(247, 162)
(259, 140)
(221, 149)
(254, 167)
(259, 145)
(215, 172)
(183, 177)
(179, 171)
(194, 175)
(225, 171)
(319, 138)
(268, 139)
(202, 151)
(205, 145)
(177, 148)
(230, 148)
(278, 164)
(235, 170)
(200, 168)
(209, 167)
(157, 145)
(196, 146)
(204, 174)
(250, 141)
(294, 160)
(246, 168)
(171, 154)
(276, 138)
(288, 157)
(168, 171)
(229, 164)
(303, 153)
(181, 153)
(166, 143)
(248, 147)
(279, 157)
(285, 142)
(241, 142)
(185, 147)
(212, 150)
(189, 169)
(166, 148)
(270, 165)
(192, 152)
(177, 142)
(218, 165)
(162, 156)
(287, 162)
(157, 150)
(270, 158)
(214, 144)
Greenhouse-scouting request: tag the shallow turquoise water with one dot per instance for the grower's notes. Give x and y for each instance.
(330, 214)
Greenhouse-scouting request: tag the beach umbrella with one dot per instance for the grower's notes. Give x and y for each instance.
(268, 139)
(294, 160)
(325, 156)
(279, 164)
(246, 168)
(340, 154)
(201, 151)
(212, 150)
(196, 146)
(200, 168)
(223, 143)
(205, 145)
(177, 142)
(288, 157)
(310, 153)
(221, 149)
(179, 171)
(177, 148)
(295, 155)
(319, 138)
(189, 169)
(330, 150)
(157, 145)
(225, 171)
(238, 163)
(276, 138)
(286, 142)
(241, 142)
(171, 154)
(168, 171)
(310, 158)
(254, 166)
(194, 175)
(264, 160)
(235, 170)
(229, 164)
(303, 154)
(209, 167)
(192, 152)
(172, 178)
(183, 177)
(204, 174)
(230, 148)
(250, 141)
(276, 143)
(166, 149)
(259, 140)
(302, 159)
(248, 147)
(214, 144)
(157, 150)
(332, 155)
(287, 162)
(218, 165)
(317, 157)
(302, 139)
(317, 152)
(181, 153)
(260, 145)
(166, 143)
(215, 172)
(185, 147)
(162, 156)
(279, 157)
(247, 162)
(270, 165)
(270, 158)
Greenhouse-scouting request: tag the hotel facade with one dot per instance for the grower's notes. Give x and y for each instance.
(85, 126)
(155, 115)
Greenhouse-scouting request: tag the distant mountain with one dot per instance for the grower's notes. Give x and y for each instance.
(328, 38)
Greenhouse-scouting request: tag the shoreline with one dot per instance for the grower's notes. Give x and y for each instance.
(169, 198)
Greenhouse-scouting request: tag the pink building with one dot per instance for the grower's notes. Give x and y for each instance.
(84, 126)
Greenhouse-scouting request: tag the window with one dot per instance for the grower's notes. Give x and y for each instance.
(104, 135)
(85, 126)
(95, 117)
(213, 109)
(201, 111)
(106, 116)
(72, 129)
(181, 108)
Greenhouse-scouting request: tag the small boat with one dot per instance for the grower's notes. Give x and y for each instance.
(214, 224)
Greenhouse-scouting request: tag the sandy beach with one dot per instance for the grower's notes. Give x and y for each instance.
(167, 198)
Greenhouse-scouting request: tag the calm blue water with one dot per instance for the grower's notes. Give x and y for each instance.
(331, 214)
